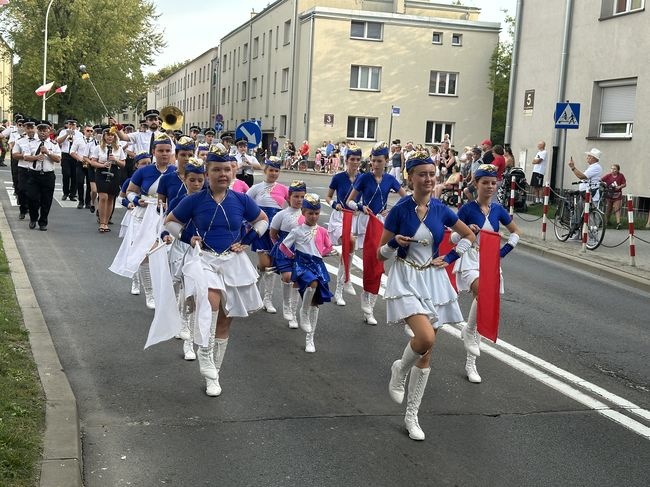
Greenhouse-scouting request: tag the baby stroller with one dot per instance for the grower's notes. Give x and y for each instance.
(521, 189)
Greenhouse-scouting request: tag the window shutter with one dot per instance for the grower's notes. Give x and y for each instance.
(618, 104)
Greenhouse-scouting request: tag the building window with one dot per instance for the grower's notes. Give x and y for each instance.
(283, 126)
(457, 39)
(623, 6)
(361, 128)
(245, 53)
(261, 86)
(254, 88)
(617, 101)
(441, 83)
(223, 96)
(277, 36)
(437, 38)
(229, 94)
(435, 132)
(366, 30)
(275, 81)
(243, 90)
(364, 78)
(256, 47)
(287, 32)
(285, 79)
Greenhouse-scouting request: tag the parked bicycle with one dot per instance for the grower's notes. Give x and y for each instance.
(569, 219)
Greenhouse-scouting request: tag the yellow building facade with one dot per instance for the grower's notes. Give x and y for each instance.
(5, 81)
(322, 70)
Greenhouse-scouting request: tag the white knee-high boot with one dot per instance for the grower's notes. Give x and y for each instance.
(188, 344)
(338, 293)
(206, 363)
(313, 321)
(470, 368)
(365, 305)
(349, 288)
(471, 337)
(145, 281)
(399, 370)
(417, 384)
(212, 386)
(135, 284)
(295, 301)
(287, 313)
(369, 316)
(307, 297)
(268, 281)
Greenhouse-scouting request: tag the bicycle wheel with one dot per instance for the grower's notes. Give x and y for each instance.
(562, 222)
(595, 230)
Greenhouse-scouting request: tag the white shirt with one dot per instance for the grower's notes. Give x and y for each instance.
(140, 141)
(261, 193)
(7, 131)
(244, 168)
(83, 146)
(14, 135)
(592, 178)
(304, 239)
(66, 144)
(27, 146)
(102, 154)
(541, 167)
(287, 219)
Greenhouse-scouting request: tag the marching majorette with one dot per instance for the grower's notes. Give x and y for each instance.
(374, 188)
(142, 191)
(227, 276)
(308, 272)
(283, 222)
(418, 291)
(342, 183)
(480, 214)
(271, 197)
(171, 185)
(193, 180)
(202, 151)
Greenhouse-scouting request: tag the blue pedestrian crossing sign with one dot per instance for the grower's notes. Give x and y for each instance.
(251, 131)
(567, 115)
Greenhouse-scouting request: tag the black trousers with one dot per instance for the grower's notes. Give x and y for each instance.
(21, 189)
(69, 171)
(40, 192)
(82, 180)
(14, 174)
(127, 171)
(247, 178)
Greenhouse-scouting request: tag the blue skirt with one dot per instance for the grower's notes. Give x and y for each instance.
(280, 261)
(307, 269)
(264, 243)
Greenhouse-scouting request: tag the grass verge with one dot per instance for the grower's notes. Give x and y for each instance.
(22, 402)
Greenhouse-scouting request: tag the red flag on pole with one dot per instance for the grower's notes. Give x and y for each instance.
(43, 89)
(443, 249)
(61, 89)
(346, 238)
(373, 268)
(489, 285)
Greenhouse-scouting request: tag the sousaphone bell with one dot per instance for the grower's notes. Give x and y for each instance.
(172, 118)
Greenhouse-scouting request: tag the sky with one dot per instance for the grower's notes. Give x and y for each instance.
(194, 26)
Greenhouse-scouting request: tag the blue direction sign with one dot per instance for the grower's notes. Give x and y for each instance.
(218, 126)
(251, 131)
(567, 115)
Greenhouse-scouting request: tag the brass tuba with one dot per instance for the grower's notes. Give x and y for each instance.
(172, 118)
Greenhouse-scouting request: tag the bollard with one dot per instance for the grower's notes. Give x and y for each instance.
(547, 195)
(585, 220)
(630, 229)
(513, 186)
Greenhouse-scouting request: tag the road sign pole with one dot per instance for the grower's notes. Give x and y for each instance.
(390, 126)
(563, 156)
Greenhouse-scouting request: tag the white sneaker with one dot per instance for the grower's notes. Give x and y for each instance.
(309, 343)
(369, 319)
(188, 350)
(212, 387)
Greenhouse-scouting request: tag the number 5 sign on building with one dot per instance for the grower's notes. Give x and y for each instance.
(529, 99)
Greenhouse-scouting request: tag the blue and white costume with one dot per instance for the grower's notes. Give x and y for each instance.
(414, 286)
(375, 196)
(342, 186)
(271, 198)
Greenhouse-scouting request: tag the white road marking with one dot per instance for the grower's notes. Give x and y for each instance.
(58, 194)
(570, 380)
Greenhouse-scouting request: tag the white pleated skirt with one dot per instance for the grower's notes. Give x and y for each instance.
(410, 291)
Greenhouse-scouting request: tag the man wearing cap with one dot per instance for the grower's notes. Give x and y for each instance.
(65, 139)
(80, 152)
(140, 141)
(589, 179)
(195, 130)
(37, 155)
(209, 136)
(129, 167)
(13, 133)
(245, 163)
(20, 145)
(3, 146)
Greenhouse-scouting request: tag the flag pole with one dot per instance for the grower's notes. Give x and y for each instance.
(47, 16)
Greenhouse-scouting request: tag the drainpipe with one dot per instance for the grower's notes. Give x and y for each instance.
(311, 65)
(290, 134)
(513, 73)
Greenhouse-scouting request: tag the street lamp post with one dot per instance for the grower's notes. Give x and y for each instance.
(47, 16)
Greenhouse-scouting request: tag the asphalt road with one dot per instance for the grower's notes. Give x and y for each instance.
(291, 418)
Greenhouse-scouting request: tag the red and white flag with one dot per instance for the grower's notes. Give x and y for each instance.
(4, 2)
(41, 90)
(60, 89)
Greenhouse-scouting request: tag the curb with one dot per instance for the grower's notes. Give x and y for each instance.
(62, 461)
(594, 268)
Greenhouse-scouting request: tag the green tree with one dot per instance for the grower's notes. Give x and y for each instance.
(499, 81)
(113, 38)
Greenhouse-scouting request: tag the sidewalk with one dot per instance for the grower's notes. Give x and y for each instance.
(612, 258)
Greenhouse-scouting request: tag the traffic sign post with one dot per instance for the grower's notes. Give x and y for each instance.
(251, 131)
(567, 116)
(394, 112)
(218, 126)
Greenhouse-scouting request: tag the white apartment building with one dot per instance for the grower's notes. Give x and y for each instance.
(192, 89)
(332, 69)
(587, 52)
